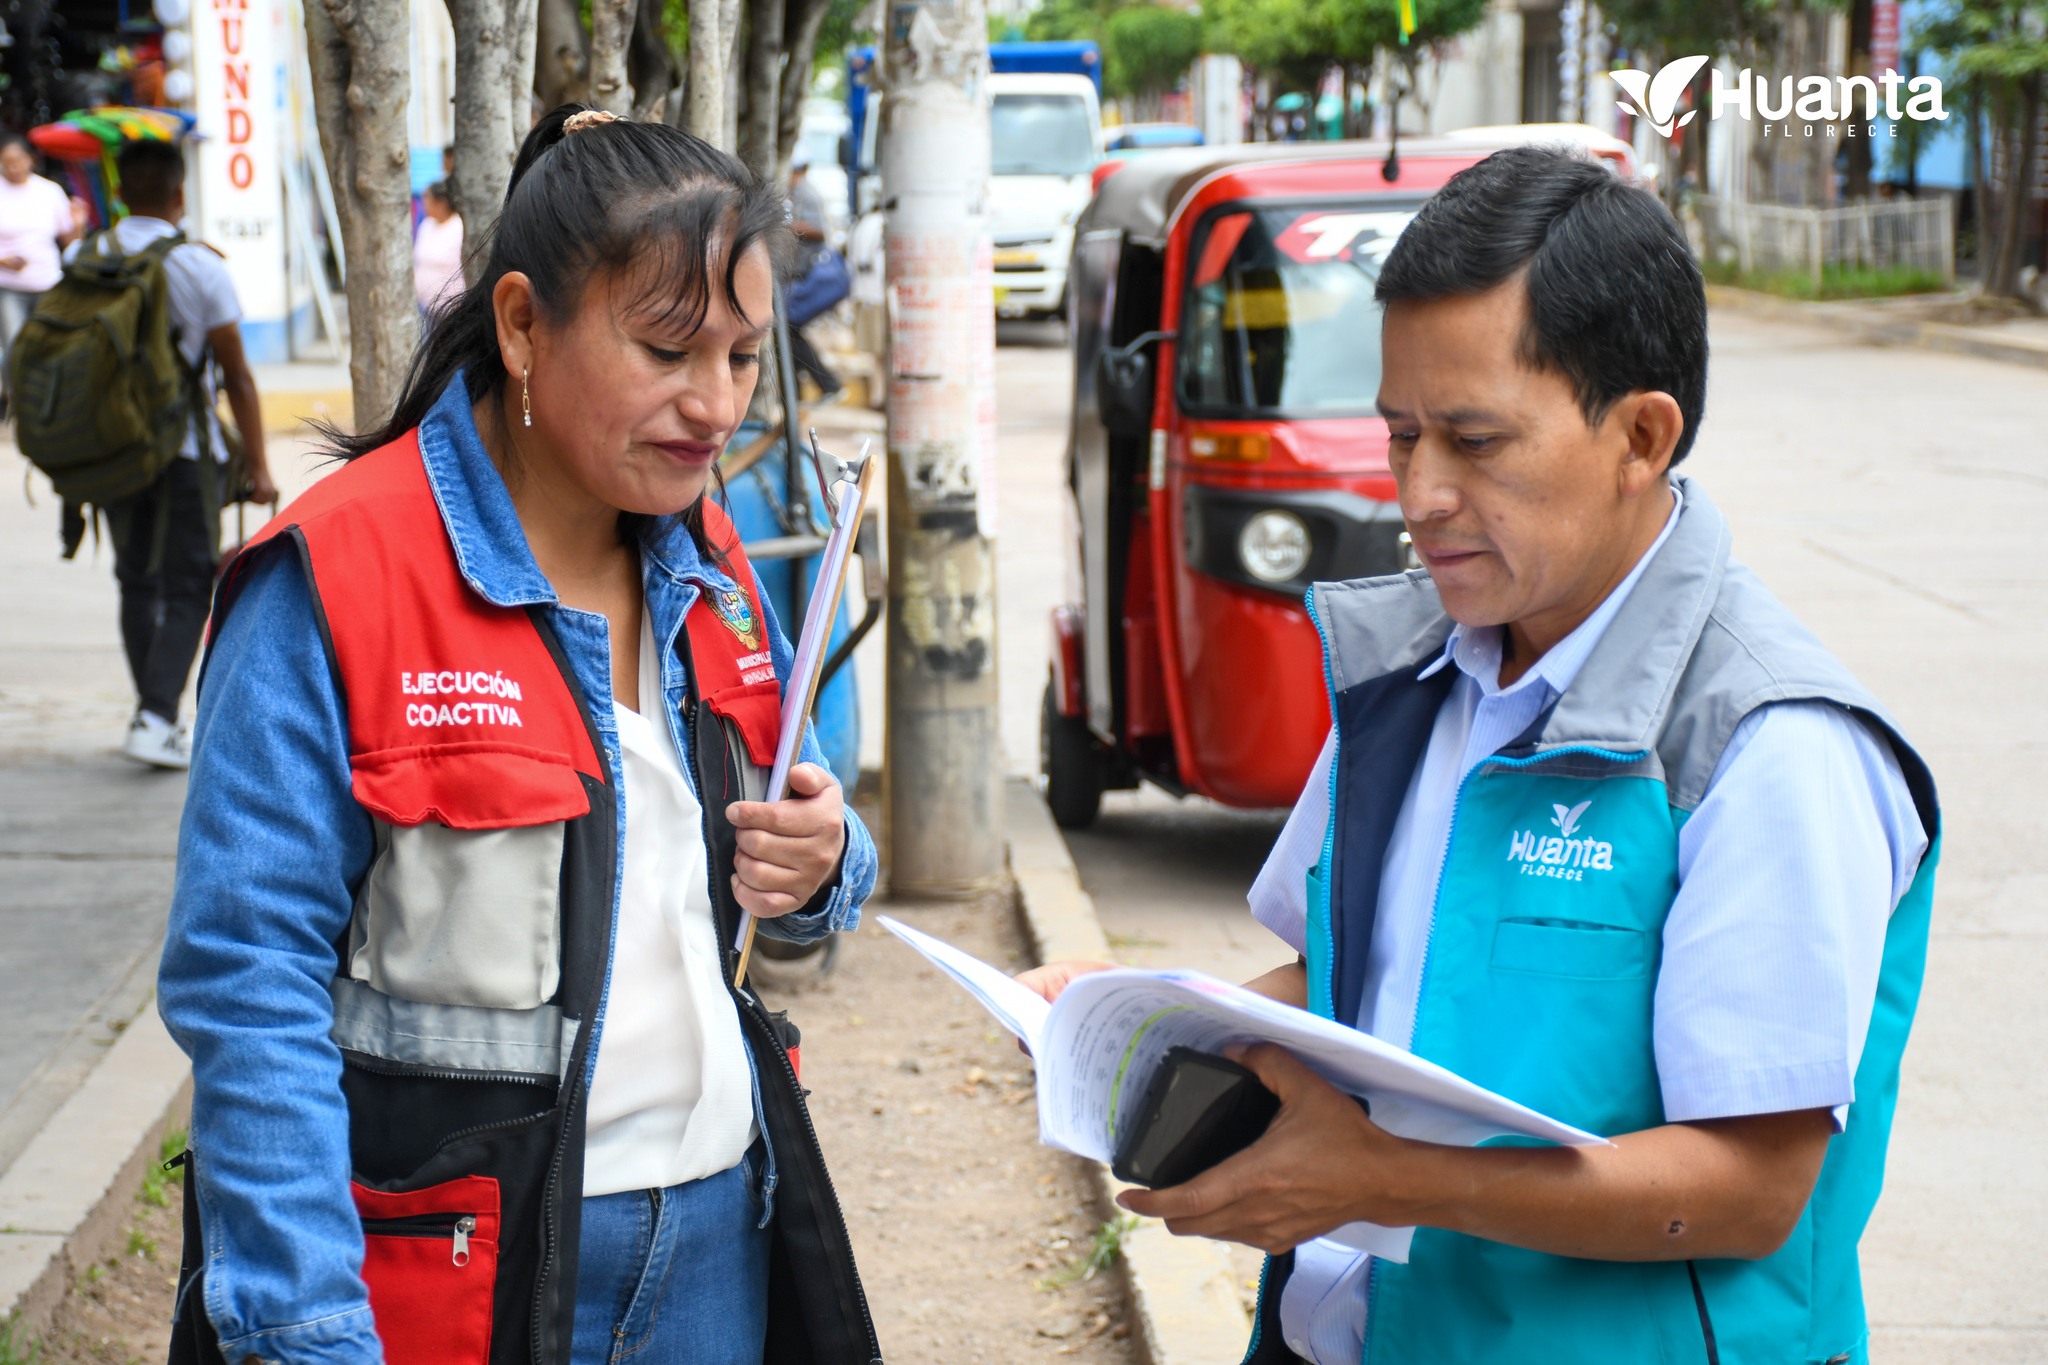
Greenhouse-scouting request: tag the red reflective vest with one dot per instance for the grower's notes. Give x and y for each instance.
(482, 932)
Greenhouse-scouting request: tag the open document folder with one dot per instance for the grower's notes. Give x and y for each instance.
(1097, 1046)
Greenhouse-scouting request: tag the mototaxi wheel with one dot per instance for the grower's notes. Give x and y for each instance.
(1073, 763)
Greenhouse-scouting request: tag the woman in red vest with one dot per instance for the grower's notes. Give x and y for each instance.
(472, 829)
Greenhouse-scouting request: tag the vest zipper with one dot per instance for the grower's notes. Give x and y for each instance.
(1327, 867)
(1372, 1274)
(382, 1066)
(810, 1135)
(575, 1079)
(1699, 1299)
(457, 1227)
(1258, 1312)
(752, 1002)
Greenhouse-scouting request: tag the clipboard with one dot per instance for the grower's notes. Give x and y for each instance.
(845, 490)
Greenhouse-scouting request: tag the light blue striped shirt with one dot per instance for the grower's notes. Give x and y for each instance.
(1801, 847)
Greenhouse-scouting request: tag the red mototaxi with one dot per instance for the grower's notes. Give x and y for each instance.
(1224, 453)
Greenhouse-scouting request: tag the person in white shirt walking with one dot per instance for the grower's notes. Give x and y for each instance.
(37, 221)
(167, 538)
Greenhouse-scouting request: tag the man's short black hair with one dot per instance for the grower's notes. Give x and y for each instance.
(1616, 302)
(151, 174)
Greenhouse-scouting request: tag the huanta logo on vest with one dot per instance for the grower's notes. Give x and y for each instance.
(1654, 97)
(1562, 855)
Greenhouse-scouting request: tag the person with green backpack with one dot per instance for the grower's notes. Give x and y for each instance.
(114, 400)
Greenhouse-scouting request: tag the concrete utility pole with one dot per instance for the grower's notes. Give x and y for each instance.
(942, 774)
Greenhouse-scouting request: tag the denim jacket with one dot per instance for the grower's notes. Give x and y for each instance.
(270, 855)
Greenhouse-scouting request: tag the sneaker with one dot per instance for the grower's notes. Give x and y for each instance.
(157, 742)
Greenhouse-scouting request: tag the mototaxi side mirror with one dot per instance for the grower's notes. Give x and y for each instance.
(1124, 385)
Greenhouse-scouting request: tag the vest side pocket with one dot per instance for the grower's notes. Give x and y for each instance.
(462, 917)
(430, 1262)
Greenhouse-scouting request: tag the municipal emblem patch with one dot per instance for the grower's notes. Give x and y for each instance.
(737, 612)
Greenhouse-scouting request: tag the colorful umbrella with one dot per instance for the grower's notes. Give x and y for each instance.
(89, 139)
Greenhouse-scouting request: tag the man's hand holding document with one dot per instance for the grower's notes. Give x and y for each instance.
(1100, 1044)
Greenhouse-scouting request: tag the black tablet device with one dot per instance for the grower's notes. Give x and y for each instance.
(1198, 1110)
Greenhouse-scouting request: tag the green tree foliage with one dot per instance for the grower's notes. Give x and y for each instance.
(1285, 40)
(840, 30)
(1148, 48)
(1066, 20)
(1678, 28)
(1296, 41)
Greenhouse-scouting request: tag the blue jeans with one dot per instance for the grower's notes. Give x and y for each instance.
(15, 306)
(676, 1276)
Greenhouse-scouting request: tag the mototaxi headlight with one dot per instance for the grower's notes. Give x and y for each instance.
(1274, 546)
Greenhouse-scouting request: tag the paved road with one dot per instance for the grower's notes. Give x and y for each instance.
(1895, 499)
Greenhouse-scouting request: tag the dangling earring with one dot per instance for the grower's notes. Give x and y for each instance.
(526, 396)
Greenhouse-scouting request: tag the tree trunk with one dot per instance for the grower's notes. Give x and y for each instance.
(1861, 23)
(735, 64)
(562, 57)
(494, 42)
(361, 80)
(611, 35)
(801, 21)
(712, 23)
(649, 63)
(1980, 195)
(761, 102)
(2002, 275)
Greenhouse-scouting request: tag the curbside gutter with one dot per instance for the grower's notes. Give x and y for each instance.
(1873, 325)
(64, 1202)
(1186, 1299)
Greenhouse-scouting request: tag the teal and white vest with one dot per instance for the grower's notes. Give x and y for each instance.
(1540, 974)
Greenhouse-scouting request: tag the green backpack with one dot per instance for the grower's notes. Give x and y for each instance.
(102, 399)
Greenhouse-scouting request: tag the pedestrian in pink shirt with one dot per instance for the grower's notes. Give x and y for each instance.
(37, 221)
(437, 252)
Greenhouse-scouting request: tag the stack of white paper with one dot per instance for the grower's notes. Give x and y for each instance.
(1098, 1045)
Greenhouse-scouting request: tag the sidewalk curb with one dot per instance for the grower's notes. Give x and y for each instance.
(1878, 330)
(1187, 1304)
(293, 411)
(64, 1202)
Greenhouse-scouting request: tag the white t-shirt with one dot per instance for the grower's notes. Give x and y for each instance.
(202, 298)
(33, 215)
(437, 261)
(673, 1097)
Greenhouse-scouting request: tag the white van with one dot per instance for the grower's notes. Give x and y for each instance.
(1045, 135)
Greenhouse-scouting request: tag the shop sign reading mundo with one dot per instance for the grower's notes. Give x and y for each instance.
(1804, 100)
(238, 52)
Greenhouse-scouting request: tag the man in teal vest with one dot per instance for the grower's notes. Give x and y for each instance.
(1599, 826)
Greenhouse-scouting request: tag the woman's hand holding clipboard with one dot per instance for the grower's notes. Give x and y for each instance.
(845, 489)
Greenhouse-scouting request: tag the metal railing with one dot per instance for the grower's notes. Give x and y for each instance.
(1914, 234)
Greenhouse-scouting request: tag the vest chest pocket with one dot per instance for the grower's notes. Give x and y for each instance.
(1572, 948)
(462, 917)
(463, 906)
